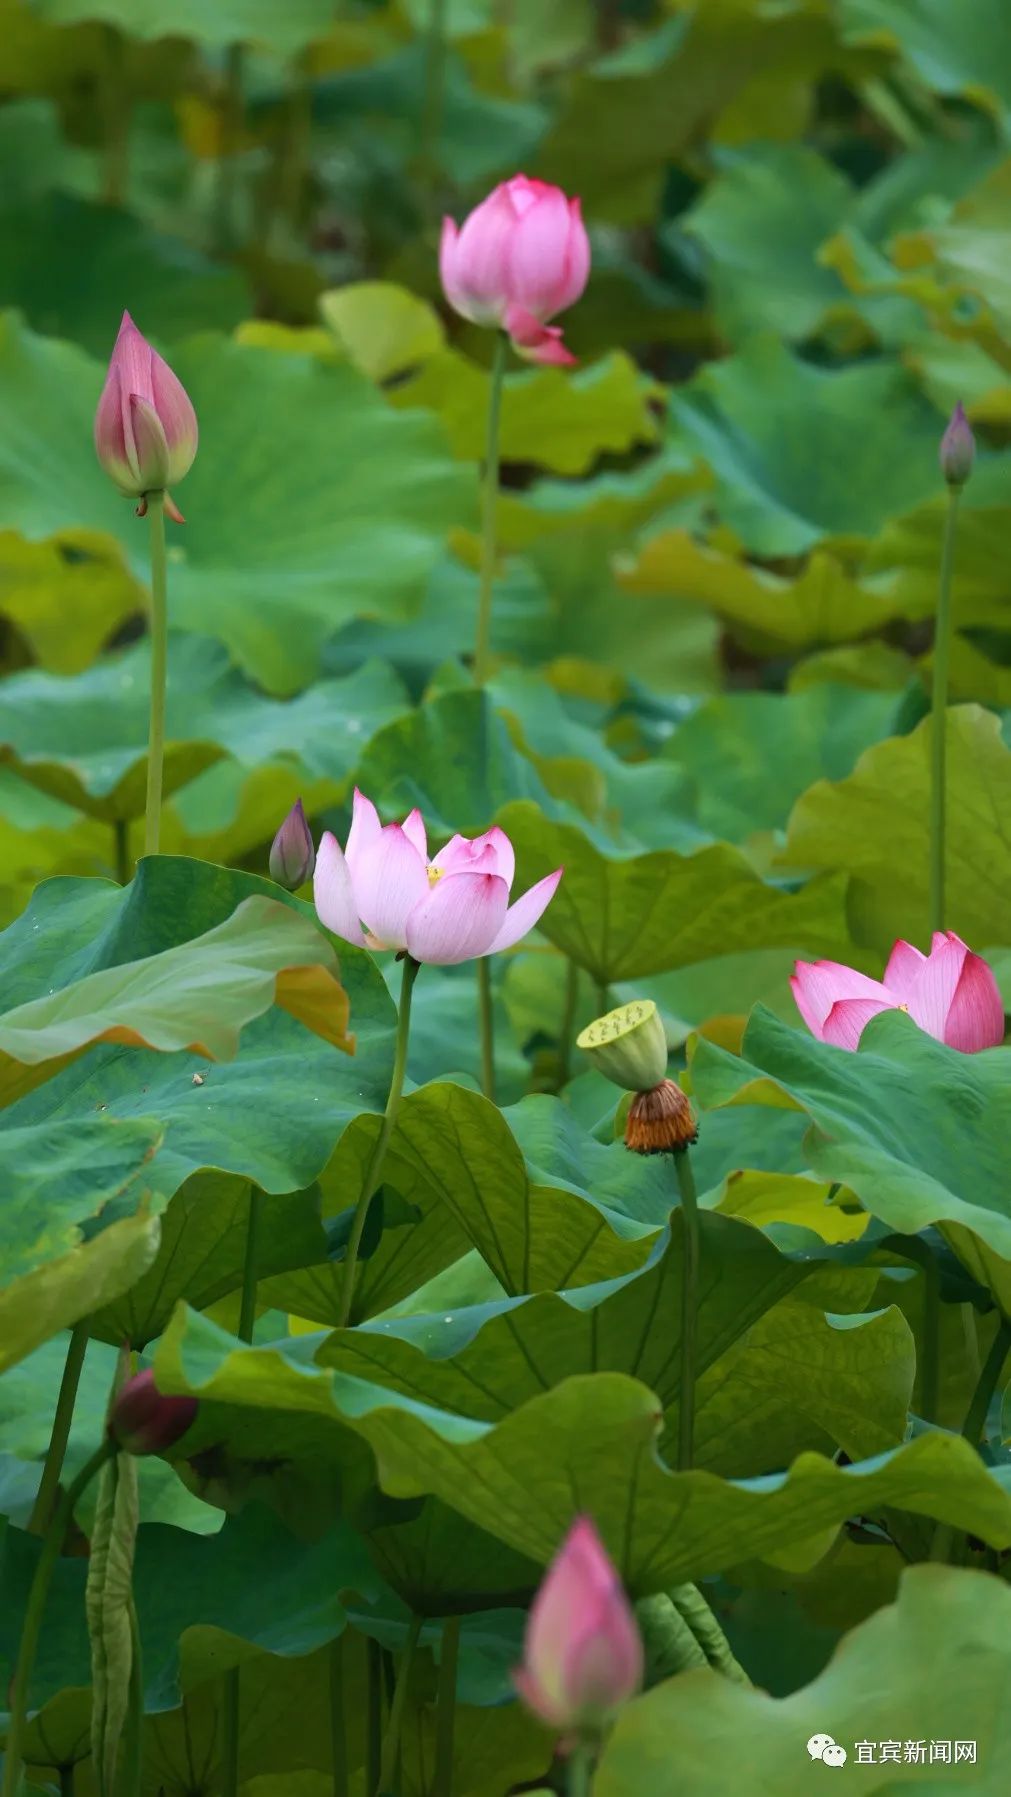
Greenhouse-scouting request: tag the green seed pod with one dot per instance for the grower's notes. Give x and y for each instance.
(628, 1046)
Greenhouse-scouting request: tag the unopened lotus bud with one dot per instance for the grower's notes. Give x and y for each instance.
(958, 449)
(661, 1121)
(628, 1045)
(145, 426)
(143, 1421)
(292, 856)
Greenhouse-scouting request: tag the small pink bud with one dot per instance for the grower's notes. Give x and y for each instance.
(582, 1653)
(958, 449)
(145, 425)
(145, 1422)
(518, 259)
(292, 855)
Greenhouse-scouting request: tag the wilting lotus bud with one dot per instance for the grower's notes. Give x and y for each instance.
(145, 1422)
(958, 449)
(661, 1121)
(292, 856)
(145, 426)
(628, 1046)
(582, 1653)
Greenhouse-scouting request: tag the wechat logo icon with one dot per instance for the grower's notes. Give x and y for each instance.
(823, 1748)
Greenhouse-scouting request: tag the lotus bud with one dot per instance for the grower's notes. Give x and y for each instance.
(661, 1121)
(958, 449)
(628, 1046)
(145, 426)
(292, 856)
(143, 1421)
(582, 1652)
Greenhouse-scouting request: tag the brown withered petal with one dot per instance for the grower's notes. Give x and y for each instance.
(661, 1121)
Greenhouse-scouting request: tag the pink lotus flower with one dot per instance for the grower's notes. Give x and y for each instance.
(520, 257)
(381, 890)
(950, 993)
(582, 1653)
(145, 426)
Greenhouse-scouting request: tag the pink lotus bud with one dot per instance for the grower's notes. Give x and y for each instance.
(958, 449)
(145, 426)
(292, 856)
(519, 258)
(951, 993)
(582, 1653)
(145, 1422)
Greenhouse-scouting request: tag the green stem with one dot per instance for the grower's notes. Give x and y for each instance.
(159, 664)
(121, 843)
(489, 504)
(930, 1376)
(233, 112)
(116, 121)
(131, 1777)
(230, 1733)
(68, 1782)
(579, 1770)
(373, 1714)
(689, 1305)
(35, 1611)
(391, 1743)
(338, 1733)
(42, 1509)
(486, 1026)
(603, 998)
(370, 1182)
(247, 1306)
(568, 1024)
(975, 1422)
(435, 93)
(445, 1708)
(939, 734)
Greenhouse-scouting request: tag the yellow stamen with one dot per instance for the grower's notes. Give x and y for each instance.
(435, 874)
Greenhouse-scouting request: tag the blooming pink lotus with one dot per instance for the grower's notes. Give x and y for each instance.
(519, 258)
(582, 1653)
(145, 426)
(381, 890)
(951, 993)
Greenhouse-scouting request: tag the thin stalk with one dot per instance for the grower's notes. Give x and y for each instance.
(975, 1422)
(930, 1375)
(370, 1182)
(68, 1782)
(603, 998)
(131, 1776)
(435, 93)
(486, 1026)
(939, 734)
(230, 1694)
(233, 112)
(42, 1509)
(338, 1732)
(489, 507)
(391, 1742)
(159, 666)
(373, 1714)
(579, 1770)
(35, 1611)
(121, 849)
(568, 1024)
(445, 1708)
(689, 1305)
(116, 119)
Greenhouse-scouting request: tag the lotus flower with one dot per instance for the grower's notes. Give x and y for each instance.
(144, 1421)
(519, 258)
(145, 426)
(582, 1653)
(950, 993)
(382, 891)
(292, 856)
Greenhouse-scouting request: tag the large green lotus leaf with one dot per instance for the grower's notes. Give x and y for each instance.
(750, 755)
(66, 596)
(234, 22)
(172, 287)
(761, 223)
(275, 1112)
(966, 256)
(875, 825)
(915, 1129)
(444, 1035)
(829, 475)
(624, 918)
(310, 500)
(559, 421)
(963, 51)
(661, 1527)
(931, 1668)
(55, 1178)
(84, 740)
(198, 996)
(454, 759)
(62, 1290)
(822, 604)
(906, 557)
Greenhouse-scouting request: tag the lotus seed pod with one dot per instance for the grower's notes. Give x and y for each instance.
(629, 1045)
